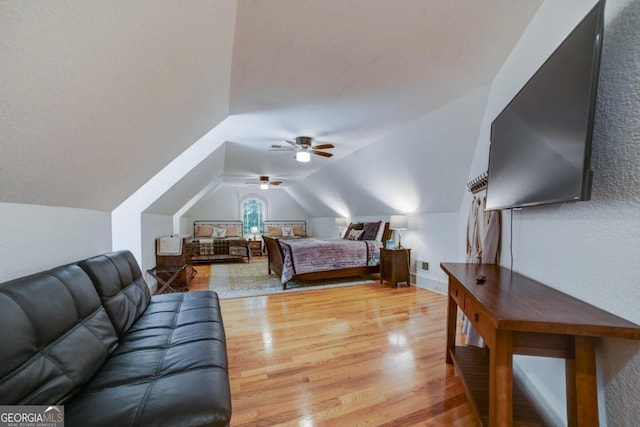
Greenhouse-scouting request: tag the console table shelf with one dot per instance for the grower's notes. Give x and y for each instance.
(515, 314)
(473, 365)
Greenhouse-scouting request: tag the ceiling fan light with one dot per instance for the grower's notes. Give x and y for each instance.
(303, 156)
(264, 186)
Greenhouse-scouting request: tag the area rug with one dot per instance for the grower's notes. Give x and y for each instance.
(240, 280)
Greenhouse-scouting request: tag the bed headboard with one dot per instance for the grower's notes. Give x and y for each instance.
(385, 234)
(202, 226)
(287, 223)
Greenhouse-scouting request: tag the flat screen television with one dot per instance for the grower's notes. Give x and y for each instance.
(541, 142)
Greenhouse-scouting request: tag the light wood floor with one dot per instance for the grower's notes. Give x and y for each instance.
(359, 355)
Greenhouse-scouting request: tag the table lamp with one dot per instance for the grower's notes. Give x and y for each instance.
(255, 231)
(399, 223)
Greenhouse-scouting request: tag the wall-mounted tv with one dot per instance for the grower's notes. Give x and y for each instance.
(541, 142)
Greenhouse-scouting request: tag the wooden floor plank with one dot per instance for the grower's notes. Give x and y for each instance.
(354, 356)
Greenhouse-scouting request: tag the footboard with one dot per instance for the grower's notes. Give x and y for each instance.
(274, 253)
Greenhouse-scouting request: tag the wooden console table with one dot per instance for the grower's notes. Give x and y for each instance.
(518, 315)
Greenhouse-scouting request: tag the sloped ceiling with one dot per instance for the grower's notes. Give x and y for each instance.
(207, 171)
(421, 167)
(98, 96)
(359, 67)
(113, 91)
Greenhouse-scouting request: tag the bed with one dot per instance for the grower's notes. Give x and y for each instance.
(312, 258)
(218, 240)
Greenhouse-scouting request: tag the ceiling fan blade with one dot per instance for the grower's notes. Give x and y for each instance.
(321, 153)
(323, 146)
(275, 182)
(291, 142)
(282, 149)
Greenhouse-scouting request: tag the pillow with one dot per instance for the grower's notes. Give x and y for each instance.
(355, 234)
(370, 230)
(380, 232)
(219, 232)
(275, 231)
(352, 226)
(287, 232)
(204, 230)
(232, 231)
(298, 230)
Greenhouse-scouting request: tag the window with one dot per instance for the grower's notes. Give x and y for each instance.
(253, 211)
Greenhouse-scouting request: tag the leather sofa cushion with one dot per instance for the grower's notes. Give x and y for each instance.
(118, 280)
(55, 336)
(169, 369)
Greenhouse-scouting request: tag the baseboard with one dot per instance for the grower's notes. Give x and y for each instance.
(433, 285)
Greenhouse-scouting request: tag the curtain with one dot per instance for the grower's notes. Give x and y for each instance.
(474, 243)
(490, 253)
(484, 230)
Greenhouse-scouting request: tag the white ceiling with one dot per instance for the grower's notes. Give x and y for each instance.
(351, 72)
(113, 91)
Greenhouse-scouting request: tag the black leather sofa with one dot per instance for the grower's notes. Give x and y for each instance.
(89, 336)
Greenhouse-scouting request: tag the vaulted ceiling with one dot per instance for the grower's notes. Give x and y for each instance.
(100, 96)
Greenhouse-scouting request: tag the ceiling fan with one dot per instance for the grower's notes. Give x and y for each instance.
(303, 146)
(264, 182)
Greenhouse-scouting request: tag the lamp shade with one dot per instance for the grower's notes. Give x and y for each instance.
(254, 230)
(341, 222)
(303, 156)
(399, 222)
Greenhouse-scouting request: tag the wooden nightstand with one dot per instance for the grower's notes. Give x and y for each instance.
(394, 265)
(255, 246)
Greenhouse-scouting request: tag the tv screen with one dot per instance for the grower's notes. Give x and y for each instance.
(541, 142)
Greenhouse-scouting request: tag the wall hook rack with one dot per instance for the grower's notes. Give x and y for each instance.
(478, 183)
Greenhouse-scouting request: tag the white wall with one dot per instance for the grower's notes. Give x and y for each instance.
(36, 238)
(590, 249)
(433, 238)
(224, 204)
(185, 226)
(323, 227)
(153, 226)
